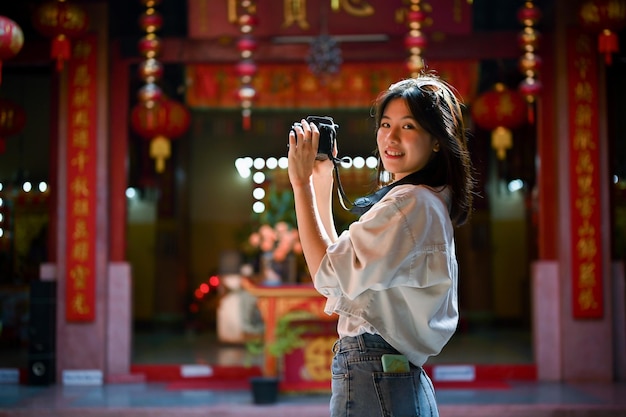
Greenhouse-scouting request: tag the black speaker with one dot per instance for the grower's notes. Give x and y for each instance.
(42, 333)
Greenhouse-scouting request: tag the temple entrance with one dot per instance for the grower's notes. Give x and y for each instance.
(207, 245)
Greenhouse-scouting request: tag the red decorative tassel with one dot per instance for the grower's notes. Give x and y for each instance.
(247, 120)
(608, 43)
(60, 50)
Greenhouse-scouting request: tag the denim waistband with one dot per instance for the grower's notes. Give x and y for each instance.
(361, 343)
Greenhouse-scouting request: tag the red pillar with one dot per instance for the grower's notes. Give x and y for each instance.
(118, 162)
(547, 176)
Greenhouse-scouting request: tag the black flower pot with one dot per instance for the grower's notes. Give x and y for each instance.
(264, 390)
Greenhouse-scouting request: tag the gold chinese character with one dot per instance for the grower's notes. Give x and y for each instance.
(81, 97)
(79, 275)
(80, 187)
(80, 229)
(587, 277)
(79, 304)
(80, 207)
(586, 229)
(80, 137)
(357, 8)
(585, 205)
(80, 161)
(583, 140)
(584, 184)
(82, 77)
(295, 12)
(586, 299)
(82, 50)
(80, 250)
(584, 164)
(586, 248)
(80, 118)
(583, 92)
(317, 357)
(616, 10)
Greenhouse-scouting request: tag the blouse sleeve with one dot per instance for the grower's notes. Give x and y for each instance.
(387, 247)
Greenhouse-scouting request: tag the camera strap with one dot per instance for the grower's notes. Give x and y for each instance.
(340, 192)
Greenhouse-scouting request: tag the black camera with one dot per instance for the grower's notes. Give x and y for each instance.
(328, 135)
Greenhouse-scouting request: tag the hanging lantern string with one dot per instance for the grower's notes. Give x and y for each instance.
(150, 95)
(246, 68)
(529, 62)
(156, 117)
(150, 69)
(415, 41)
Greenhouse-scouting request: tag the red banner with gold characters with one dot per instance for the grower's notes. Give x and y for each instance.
(584, 176)
(211, 19)
(282, 86)
(81, 181)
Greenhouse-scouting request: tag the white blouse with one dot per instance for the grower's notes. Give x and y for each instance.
(394, 272)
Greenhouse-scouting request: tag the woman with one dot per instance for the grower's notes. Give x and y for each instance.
(392, 276)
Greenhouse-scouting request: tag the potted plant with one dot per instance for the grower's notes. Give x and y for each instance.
(288, 337)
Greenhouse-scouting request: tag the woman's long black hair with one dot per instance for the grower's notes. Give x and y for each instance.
(435, 106)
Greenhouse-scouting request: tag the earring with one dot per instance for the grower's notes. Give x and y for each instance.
(436, 147)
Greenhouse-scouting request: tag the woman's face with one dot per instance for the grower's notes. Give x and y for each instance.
(403, 145)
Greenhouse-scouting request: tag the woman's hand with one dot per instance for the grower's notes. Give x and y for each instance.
(303, 143)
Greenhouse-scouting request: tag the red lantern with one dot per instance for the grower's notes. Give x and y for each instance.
(605, 17)
(159, 124)
(11, 40)
(148, 121)
(60, 21)
(178, 119)
(500, 110)
(12, 121)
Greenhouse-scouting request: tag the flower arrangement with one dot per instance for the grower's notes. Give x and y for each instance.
(276, 244)
(280, 240)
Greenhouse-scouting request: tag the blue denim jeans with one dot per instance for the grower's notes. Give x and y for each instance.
(360, 388)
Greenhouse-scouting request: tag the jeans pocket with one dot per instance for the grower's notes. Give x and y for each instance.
(400, 395)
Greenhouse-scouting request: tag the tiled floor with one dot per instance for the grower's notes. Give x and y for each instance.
(155, 400)
(520, 399)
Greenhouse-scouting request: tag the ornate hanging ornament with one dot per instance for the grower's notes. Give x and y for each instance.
(499, 110)
(61, 21)
(324, 56)
(415, 41)
(12, 120)
(246, 68)
(11, 40)
(606, 18)
(529, 63)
